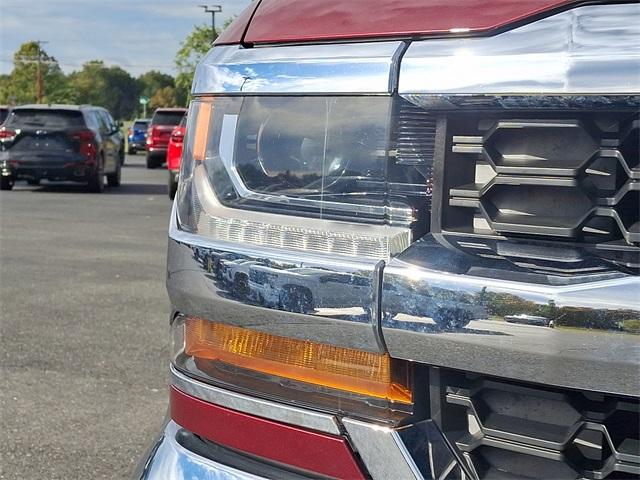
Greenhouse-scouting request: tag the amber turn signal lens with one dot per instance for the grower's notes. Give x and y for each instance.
(202, 124)
(345, 369)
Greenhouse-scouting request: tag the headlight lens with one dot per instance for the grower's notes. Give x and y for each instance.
(310, 173)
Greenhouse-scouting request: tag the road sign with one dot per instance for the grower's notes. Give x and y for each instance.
(144, 100)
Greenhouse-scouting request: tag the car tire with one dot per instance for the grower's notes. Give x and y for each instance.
(122, 156)
(6, 183)
(152, 161)
(113, 179)
(173, 185)
(240, 287)
(451, 318)
(297, 299)
(96, 182)
(131, 151)
(33, 182)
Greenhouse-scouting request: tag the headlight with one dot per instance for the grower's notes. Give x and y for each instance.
(304, 173)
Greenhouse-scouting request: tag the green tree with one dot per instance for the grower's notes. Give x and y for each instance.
(163, 97)
(152, 81)
(20, 86)
(109, 87)
(191, 51)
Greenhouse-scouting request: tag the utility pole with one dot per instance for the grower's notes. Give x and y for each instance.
(213, 9)
(39, 78)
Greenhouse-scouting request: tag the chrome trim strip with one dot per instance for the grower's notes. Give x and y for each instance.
(254, 406)
(200, 282)
(585, 50)
(376, 304)
(382, 451)
(363, 68)
(171, 461)
(468, 303)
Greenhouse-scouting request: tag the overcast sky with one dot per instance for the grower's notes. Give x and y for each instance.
(138, 35)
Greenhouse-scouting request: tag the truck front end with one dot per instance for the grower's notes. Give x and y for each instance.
(450, 224)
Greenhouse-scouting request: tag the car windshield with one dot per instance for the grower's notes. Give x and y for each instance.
(167, 118)
(140, 125)
(3, 114)
(25, 118)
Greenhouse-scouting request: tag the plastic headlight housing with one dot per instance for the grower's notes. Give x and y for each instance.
(303, 173)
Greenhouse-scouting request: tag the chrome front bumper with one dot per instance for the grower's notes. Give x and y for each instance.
(411, 452)
(168, 460)
(395, 307)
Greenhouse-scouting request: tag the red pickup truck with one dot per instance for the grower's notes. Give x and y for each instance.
(376, 200)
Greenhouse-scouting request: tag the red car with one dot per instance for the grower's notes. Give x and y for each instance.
(174, 154)
(159, 132)
(406, 245)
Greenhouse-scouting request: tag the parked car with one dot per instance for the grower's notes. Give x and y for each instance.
(137, 136)
(174, 154)
(383, 184)
(162, 124)
(4, 112)
(60, 142)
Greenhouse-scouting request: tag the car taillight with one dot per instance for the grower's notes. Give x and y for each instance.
(7, 134)
(177, 136)
(87, 142)
(322, 376)
(320, 174)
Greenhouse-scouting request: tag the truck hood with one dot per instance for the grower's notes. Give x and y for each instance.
(299, 21)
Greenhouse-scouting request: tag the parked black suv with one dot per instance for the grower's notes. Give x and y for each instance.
(60, 142)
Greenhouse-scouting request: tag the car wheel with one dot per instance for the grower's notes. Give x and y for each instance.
(113, 179)
(131, 151)
(122, 156)
(6, 183)
(451, 318)
(294, 298)
(240, 287)
(152, 161)
(33, 181)
(96, 182)
(173, 185)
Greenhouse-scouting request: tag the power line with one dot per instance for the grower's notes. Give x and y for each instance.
(81, 63)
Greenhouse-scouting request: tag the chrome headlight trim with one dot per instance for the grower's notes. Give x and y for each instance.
(364, 68)
(586, 50)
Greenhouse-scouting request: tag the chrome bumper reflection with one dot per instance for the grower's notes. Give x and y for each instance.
(459, 302)
(308, 297)
(171, 461)
(445, 304)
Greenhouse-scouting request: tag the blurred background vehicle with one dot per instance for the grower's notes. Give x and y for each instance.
(174, 154)
(60, 142)
(162, 124)
(137, 136)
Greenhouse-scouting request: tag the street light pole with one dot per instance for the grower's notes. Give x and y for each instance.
(212, 9)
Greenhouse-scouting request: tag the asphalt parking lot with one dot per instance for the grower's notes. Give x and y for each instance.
(84, 316)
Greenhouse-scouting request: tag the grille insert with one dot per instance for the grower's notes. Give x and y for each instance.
(543, 176)
(510, 430)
